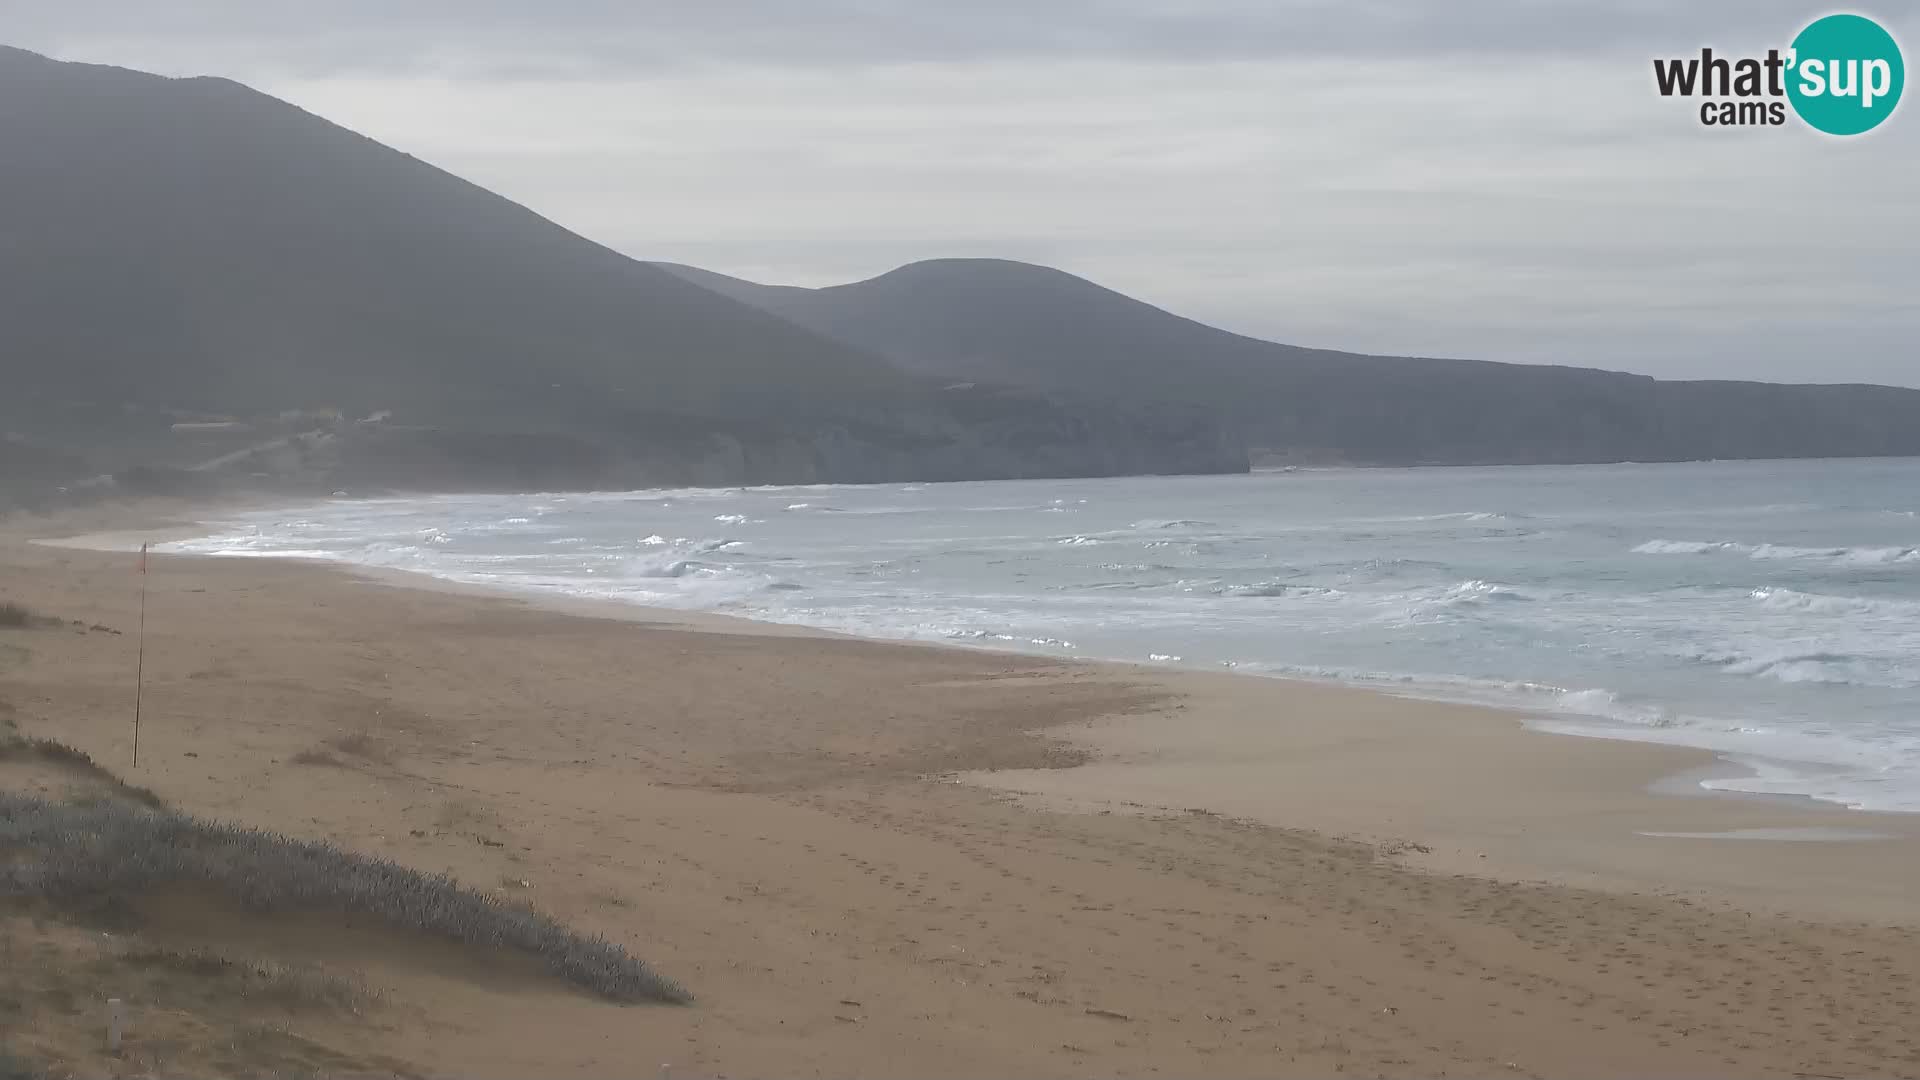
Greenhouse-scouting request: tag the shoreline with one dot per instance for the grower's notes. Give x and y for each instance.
(1128, 763)
(779, 822)
(1724, 767)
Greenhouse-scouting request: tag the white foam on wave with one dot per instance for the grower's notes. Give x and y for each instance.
(966, 634)
(1788, 664)
(1836, 767)
(1854, 556)
(1687, 547)
(1174, 523)
(1475, 591)
(1456, 515)
(658, 566)
(1779, 599)
(1459, 600)
(1278, 589)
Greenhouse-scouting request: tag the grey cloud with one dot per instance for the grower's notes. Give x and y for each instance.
(497, 38)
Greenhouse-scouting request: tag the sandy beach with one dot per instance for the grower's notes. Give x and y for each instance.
(873, 859)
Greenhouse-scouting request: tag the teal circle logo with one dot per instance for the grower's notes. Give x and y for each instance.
(1845, 75)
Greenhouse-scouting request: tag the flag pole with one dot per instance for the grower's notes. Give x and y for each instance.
(140, 661)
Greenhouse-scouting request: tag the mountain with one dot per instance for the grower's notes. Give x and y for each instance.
(991, 319)
(194, 272)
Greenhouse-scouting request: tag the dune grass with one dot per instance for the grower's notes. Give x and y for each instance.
(19, 748)
(16, 617)
(105, 851)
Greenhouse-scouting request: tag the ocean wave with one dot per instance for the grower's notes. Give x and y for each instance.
(965, 634)
(1827, 666)
(1857, 556)
(1456, 515)
(1175, 523)
(1465, 595)
(957, 633)
(1524, 695)
(1608, 705)
(1792, 600)
(1275, 588)
(666, 566)
(1477, 591)
(1688, 547)
(1077, 541)
(1116, 586)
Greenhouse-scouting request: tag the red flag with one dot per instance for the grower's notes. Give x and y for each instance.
(143, 558)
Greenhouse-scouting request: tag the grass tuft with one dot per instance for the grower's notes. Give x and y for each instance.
(15, 617)
(359, 744)
(64, 852)
(18, 748)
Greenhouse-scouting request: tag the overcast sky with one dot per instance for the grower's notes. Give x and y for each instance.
(1487, 178)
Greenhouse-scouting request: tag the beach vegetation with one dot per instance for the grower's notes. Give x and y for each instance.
(107, 852)
(15, 616)
(69, 759)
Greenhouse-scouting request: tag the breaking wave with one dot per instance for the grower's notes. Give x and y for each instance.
(1856, 556)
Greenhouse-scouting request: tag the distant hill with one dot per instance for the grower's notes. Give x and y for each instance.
(192, 271)
(992, 319)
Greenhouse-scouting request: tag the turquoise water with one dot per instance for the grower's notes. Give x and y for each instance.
(1766, 610)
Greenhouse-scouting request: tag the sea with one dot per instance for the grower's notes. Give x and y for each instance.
(1768, 611)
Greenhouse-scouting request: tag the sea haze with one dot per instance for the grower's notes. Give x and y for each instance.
(1766, 610)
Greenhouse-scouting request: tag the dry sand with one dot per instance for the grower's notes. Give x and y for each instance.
(779, 822)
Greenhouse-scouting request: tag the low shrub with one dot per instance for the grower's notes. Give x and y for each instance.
(17, 617)
(69, 852)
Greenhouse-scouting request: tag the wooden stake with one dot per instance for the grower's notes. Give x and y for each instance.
(116, 1024)
(140, 661)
